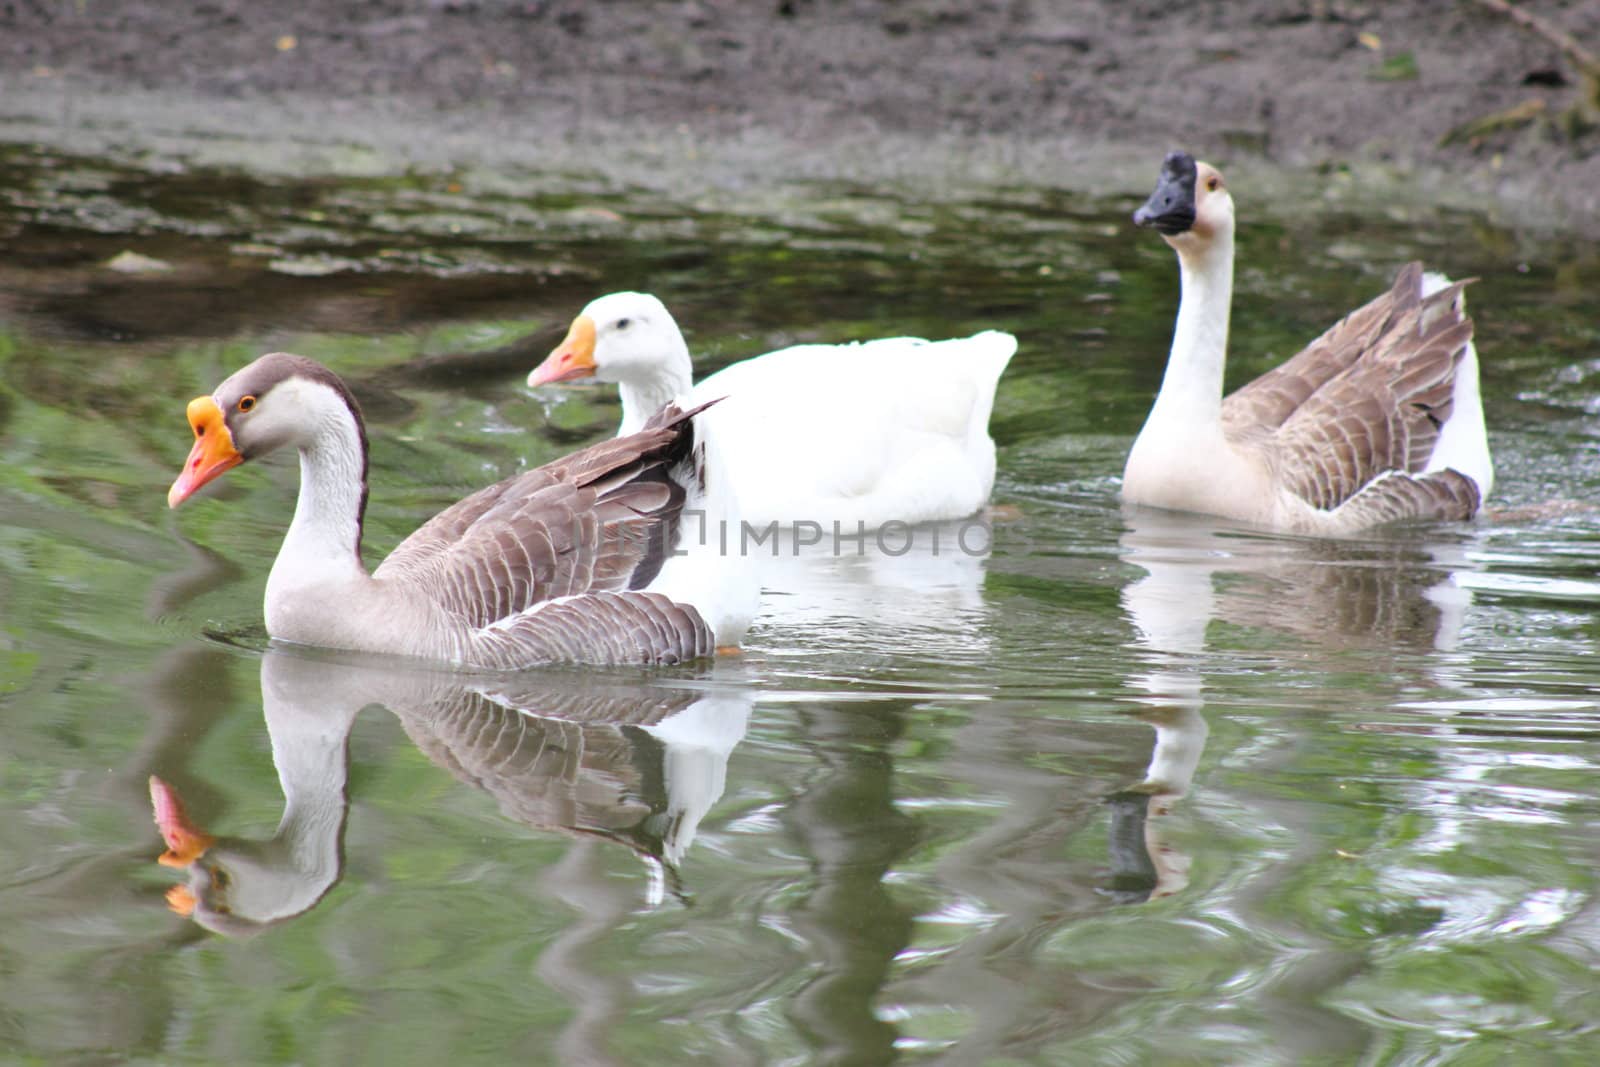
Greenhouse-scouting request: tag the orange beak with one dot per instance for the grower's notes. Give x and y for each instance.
(213, 450)
(573, 357)
(186, 842)
(181, 900)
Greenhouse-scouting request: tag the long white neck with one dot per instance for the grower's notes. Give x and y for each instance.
(309, 748)
(309, 717)
(646, 389)
(1191, 390)
(324, 540)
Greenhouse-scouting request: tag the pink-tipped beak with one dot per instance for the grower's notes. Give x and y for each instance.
(213, 450)
(573, 358)
(186, 842)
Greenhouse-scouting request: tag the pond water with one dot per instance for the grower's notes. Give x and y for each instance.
(1115, 789)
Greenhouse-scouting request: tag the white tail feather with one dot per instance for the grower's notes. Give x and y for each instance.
(1463, 443)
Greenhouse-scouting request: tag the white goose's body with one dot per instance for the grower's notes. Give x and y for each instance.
(560, 564)
(891, 430)
(1377, 420)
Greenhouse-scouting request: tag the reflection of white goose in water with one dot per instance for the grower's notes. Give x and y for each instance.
(640, 765)
(1392, 593)
(917, 590)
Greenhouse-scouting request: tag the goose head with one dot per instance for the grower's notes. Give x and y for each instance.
(1190, 207)
(237, 887)
(279, 400)
(629, 338)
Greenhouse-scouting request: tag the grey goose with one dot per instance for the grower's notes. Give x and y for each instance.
(572, 562)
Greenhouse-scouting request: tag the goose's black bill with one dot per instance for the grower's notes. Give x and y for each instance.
(1170, 209)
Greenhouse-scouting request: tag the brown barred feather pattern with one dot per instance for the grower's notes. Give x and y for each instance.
(545, 567)
(1368, 396)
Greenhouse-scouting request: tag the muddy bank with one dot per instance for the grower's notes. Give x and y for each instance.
(1361, 98)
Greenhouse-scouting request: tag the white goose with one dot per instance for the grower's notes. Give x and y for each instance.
(571, 562)
(1378, 420)
(893, 430)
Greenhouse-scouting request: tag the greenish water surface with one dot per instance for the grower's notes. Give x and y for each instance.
(1123, 789)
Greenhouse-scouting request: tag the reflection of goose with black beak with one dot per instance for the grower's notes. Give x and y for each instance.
(639, 765)
(1170, 608)
(1402, 591)
(1393, 593)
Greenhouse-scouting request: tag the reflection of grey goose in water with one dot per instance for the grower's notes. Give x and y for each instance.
(637, 765)
(572, 562)
(1379, 419)
(1398, 595)
(894, 430)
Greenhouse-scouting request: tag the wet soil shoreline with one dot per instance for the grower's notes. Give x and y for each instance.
(709, 98)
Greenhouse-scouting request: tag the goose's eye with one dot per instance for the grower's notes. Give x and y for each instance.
(623, 324)
(246, 403)
(1212, 184)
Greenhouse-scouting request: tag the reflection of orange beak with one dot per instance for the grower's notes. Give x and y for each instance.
(186, 842)
(181, 900)
(213, 450)
(573, 357)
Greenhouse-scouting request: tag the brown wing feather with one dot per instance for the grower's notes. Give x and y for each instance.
(1268, 401)
(551, 758)
(598, 520)
(1383, 412)
(1366, 398)
(598, 628)
(1446, 494)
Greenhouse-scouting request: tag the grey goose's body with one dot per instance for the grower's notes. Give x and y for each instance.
(555, 565)
(1377, 420)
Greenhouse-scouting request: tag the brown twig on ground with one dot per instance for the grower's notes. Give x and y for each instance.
(1587, 62)
(1480, 129)
(1575, 121)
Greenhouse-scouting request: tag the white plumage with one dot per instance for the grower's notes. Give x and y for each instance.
(863, 434)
